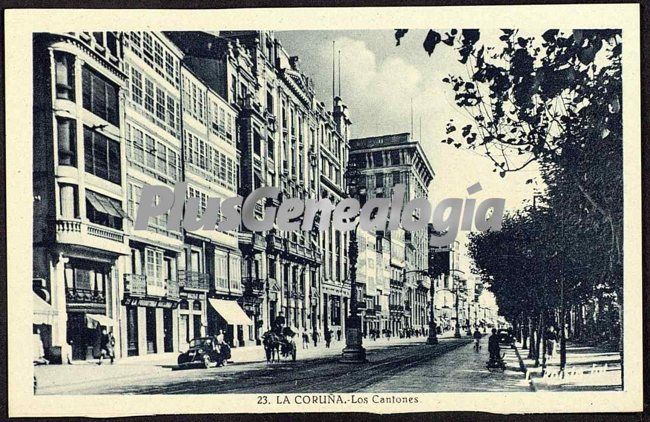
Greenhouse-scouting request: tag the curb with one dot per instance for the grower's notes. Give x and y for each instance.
(524, 369)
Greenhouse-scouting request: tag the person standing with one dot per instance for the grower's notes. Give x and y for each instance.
(477, 339)
(493, 347)
(338, 335)
(328, 338)
(305, 340)
(106, 346)
(315, 337)
(551, 338)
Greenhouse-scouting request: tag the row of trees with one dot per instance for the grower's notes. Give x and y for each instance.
(553, 101)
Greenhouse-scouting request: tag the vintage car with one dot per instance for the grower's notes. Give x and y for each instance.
(204, 351)
(505, 337)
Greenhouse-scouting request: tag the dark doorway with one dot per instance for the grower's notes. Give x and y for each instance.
(197, 325)
(78, 335)
(151, 330)
(131, 331)
(168, 327)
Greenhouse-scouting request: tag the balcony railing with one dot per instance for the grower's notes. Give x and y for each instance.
(193, 280)
(135, 284)
(173, 290)
(76, 226)
(75, 295)
(396, 308)
(378, 308)
(253, 286)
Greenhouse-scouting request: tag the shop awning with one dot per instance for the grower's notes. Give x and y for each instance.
(93, 319)
(231, 312)
(43, 311)
(105, 204)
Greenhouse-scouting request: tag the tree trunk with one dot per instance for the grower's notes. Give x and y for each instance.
(538, 338)
(531, 339)
(621, 343)
(525, 323)
(542, 336)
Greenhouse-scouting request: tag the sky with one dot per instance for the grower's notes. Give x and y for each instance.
(378, 82)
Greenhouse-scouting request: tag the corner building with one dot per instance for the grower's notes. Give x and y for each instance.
(79, 172)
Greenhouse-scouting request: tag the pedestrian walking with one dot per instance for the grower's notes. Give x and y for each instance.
(328, 338)
(493, 347)
(477, 340)
(305, 340)
(314, 337)
(107, 343)
(338, 335)
(551, 338)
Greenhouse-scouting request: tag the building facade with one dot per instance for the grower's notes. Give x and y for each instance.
(381, 163)
(287, 139)
(80, 242)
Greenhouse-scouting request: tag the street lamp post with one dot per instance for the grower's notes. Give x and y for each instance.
(433, 337)
(457, 291)
(353, 351)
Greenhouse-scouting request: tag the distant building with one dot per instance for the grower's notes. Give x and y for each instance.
(380, 163)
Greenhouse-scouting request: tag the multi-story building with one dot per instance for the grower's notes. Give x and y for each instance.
(288, 140)
(80, 246)
(211, 168)
(151, 296)
(380, 163)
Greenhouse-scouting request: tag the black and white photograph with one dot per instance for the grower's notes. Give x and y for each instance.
(330, 218)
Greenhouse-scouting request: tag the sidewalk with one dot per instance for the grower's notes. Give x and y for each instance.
(588, 368)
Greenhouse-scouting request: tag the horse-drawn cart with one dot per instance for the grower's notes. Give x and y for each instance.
(278, 345)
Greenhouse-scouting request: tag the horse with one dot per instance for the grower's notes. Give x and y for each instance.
(271, 342)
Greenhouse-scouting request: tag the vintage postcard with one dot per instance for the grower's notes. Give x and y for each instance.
(378, 210)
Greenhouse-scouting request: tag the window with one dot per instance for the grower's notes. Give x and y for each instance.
(235, 272)
(171, 112)
(111, 43)
(102, 156)
(160, 104)
(150, 152)
(68, 207)
(394, 157)
(64, 75)
(269, 101)
(99, 37)
(221, 269)
(147, 48)
(100, 96)
(136, 86)
(257, 143)
(379, 180)
(154, 272)
(270, 148)
(104, 210)
(377, 159)
(396, 178)
(148, 96)
(66, 140)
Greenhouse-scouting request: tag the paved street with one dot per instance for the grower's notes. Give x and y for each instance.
(402, 365)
